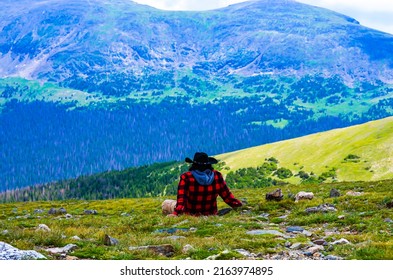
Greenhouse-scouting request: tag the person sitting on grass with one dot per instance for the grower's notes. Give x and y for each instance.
(199, 188)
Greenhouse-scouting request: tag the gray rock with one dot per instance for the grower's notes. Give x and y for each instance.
(341, 241)
(268, 231)
(388, 220)
(315, 249)
(62, 250)
(60, 211)
(171, 230)
(43, 227)
(245, 253)
(274, 195)
(5, 232)
(110, 241)
(68, 216)
(90, 212)
(323, 208)
(75, 237)
(294, 229)
(307, 233)
(38, 211)
(320, 242)
(334, 193)
(264, 215)
(52, 211)
(296, 246)
(353, 193)
(187, 248)
(308, 254)
(8, 252)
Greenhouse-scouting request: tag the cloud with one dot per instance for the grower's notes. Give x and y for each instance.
(188, 5)
(376, 14)
(350, 5)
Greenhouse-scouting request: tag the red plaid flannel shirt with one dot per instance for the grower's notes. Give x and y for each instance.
(196, 199)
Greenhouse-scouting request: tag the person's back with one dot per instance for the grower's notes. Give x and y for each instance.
(199, 188)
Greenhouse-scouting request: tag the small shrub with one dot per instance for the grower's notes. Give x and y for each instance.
(352, 158)
(283, 173)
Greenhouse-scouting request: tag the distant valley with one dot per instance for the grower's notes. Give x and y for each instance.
(358, 153)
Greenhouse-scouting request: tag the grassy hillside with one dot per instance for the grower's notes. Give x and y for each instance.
(363, 220)
(358, 153)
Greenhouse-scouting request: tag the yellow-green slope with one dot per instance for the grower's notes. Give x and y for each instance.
(372, 142)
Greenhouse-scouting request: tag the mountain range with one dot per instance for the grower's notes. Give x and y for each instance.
(89, 86)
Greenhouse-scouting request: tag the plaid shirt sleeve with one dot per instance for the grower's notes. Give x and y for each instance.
(226, 194)
(181, 195)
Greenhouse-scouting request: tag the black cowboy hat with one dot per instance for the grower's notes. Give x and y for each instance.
(202, 159)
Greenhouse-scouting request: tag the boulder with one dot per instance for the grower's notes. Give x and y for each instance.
(388, 220)
(62, 250)
(304, 195)
(334, 193)
(8, 252)
(316, 248)
(171, 230)
(274, 195)
(294, 229)
(62, 210)
(90, 212)
(321, 242)
(43, 227)
(323, 208)
(110, 241)
(52, 211)
(353, 193)
(341, 241)
(168, 206)
(187, 248)
(38, 211)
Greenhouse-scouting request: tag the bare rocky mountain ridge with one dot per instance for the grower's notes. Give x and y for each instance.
(76, 41)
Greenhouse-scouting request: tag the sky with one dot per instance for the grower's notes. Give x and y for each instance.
(377, 14)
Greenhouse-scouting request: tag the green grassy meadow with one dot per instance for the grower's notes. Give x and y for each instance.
(320, 152)
(362, 220)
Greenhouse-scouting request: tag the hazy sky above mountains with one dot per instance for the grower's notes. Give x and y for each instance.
(377, 14)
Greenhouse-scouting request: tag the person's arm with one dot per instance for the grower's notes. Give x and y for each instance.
(226, 194)
(180, 195)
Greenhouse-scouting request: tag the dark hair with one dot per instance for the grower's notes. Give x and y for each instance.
(200, 167)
